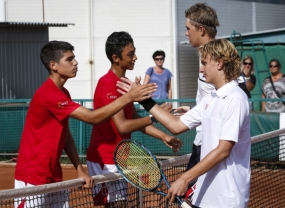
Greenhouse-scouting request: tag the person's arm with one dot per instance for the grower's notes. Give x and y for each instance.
(216, 156)
(249, 84)
(181, 110)
(171, 122)
(169, 89)
(146, 79)
(70, 150)
(135, 93)
(125, 126)
(263, 104)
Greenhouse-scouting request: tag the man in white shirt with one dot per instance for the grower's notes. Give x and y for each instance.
(224, 170)
(201, 23)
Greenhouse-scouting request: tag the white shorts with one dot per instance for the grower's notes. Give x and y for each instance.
(107, 192)
(51, 200)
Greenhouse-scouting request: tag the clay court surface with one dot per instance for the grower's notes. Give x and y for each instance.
(7, 174)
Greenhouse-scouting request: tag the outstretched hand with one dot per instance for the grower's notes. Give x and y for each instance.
(135, 90)
(181, 110)
(167, 107)
(125, 84)
(173, 142)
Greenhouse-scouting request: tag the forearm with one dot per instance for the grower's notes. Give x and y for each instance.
(151, 130)
(263, 104)
(171, 122)
(170, 93)
(70, 150)
(129, 126)
(249, 85)
(101, 114)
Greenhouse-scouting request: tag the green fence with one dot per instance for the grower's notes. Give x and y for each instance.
(13, 112)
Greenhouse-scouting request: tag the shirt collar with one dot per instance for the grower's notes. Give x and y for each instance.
(224, 89)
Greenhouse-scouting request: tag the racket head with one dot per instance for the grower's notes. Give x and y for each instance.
(137, 165)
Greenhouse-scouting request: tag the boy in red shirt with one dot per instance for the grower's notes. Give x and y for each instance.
(46, 132)
(121, 52)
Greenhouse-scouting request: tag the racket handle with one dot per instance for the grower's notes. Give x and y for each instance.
(185, 205)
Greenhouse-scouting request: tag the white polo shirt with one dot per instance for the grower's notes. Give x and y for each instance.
(203, 89)
(224, 115)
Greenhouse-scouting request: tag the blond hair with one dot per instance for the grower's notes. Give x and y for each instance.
(221, 49)
(248, 57)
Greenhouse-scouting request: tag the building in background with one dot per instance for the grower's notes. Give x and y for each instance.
(22, 71)
(153, 24)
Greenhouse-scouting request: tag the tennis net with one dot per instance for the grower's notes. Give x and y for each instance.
(70, 191)
(267, 178)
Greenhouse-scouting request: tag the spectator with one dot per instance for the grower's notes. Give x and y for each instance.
(247, 78)
(159, 75)
(274, 87)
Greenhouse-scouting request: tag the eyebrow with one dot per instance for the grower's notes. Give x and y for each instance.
(69, 57)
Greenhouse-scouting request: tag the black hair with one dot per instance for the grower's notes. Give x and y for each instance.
(277, 61)
(53, 51)
(158, 53)
(116, 43)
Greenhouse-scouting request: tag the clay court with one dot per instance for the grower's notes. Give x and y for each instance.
(7, 174)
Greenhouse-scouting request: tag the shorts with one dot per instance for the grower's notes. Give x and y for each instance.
(105, 193)
(50, 200)
(194, 159)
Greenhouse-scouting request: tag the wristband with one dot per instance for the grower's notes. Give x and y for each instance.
(153, 120)
(148, 104)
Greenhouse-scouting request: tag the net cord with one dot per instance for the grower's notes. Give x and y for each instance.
(267, 135)
(69, 184)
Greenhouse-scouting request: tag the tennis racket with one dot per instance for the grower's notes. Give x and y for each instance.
(139, 167)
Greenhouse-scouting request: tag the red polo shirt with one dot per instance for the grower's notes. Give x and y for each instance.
(44, 135)
(105, 135)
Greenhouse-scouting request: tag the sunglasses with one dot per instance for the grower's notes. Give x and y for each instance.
(246, 63)
(159, 59)
(273, 66)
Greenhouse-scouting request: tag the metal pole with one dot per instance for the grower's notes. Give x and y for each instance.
(43, 5)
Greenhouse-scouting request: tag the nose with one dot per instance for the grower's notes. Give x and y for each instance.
(201, 69)
(75, 62)
(135, 57)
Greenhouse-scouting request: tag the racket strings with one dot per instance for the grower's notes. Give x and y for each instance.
(138, 166)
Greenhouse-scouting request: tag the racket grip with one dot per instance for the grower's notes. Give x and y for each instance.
(185, 205)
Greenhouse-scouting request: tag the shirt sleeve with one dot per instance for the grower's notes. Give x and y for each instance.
(253, 79)
(108, 92)
(170, 75)
(233, 118)
(193, 117)
(149, 71)
(60, 104)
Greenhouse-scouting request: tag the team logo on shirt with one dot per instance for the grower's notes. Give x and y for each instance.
(62, 104)
(206, 106)
(111, 96)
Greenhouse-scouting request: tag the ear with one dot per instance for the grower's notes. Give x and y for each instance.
(202, 31)
(115, 58)
(53, 65)
(220, 64)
